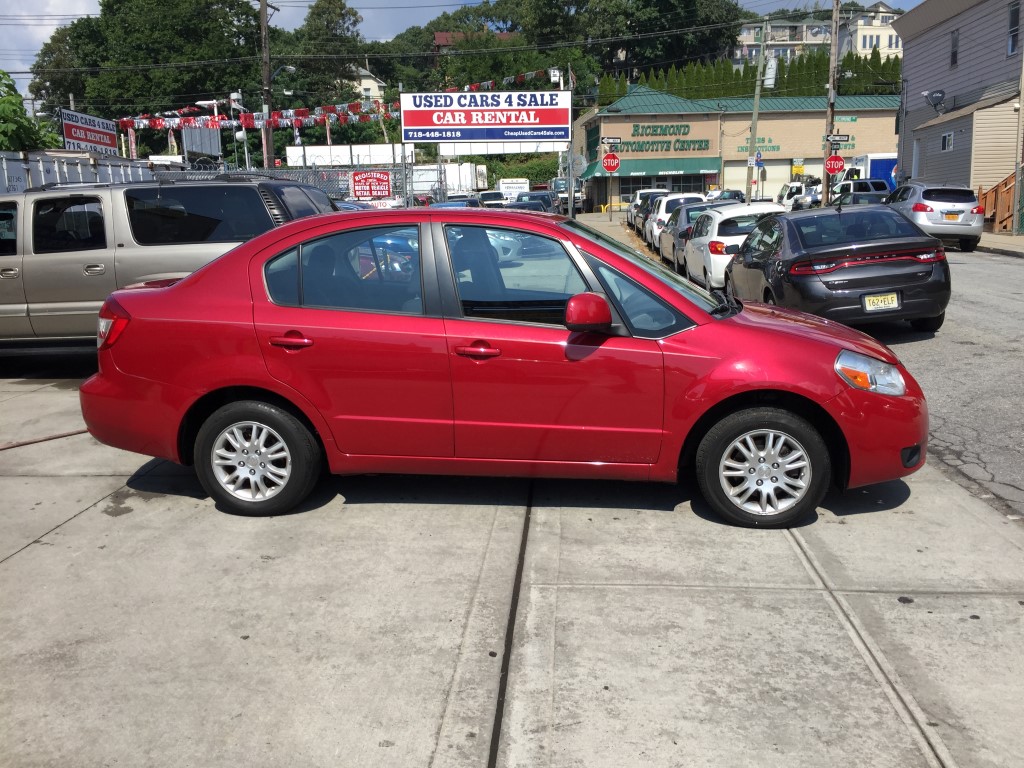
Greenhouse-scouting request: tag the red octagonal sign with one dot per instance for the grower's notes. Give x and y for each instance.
(835, 164)
(610, 162)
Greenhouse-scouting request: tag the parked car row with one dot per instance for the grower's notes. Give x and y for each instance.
(855, 263)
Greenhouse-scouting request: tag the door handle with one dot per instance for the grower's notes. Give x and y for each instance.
(94, 269)
(9, 272)
(290, 341)
(477, 351)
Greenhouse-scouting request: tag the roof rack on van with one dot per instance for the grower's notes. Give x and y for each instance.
(243, 176)
(67, 184)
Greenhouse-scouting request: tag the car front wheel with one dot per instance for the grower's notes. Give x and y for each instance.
(763, 467)
(256, 459)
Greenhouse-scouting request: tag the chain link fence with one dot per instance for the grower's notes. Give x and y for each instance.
(336, 182)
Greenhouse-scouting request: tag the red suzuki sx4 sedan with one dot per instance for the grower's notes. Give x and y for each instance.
(488, 342)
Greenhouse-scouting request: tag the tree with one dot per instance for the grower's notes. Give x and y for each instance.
(325, 49)
(145, 44)
(60, 68)
(18, 131)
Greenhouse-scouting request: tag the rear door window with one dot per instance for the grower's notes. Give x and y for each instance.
(73, 223)
(8, 228)
(375, 269)
(168, 215)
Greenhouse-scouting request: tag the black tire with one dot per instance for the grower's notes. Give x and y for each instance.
(271, 482)
(675, 259)
(730, 289)
(762, 493)
(968, 244)
(931, 324)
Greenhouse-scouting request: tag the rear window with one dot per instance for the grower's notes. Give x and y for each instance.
(852, 226)
(214, 214)
(949, 195)
(739, 225)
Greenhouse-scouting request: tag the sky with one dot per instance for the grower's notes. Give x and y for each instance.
(25, 30)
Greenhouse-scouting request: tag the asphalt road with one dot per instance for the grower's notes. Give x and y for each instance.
(972, 372)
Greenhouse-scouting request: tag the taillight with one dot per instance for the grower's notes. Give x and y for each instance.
(716, 247)
(922, 208)
(824, 266)
(113, 320)
(978, 209)
(661, 222)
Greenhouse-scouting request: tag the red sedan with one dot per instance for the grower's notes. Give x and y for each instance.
(490, 343)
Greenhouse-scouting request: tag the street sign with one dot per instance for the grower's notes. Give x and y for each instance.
(835, 164)
(611, 140)
(838, 137)
(757, 154)
(610, 162)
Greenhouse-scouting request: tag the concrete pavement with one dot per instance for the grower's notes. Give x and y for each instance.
(143, 627)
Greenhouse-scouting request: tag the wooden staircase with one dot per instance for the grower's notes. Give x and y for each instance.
(999, 201)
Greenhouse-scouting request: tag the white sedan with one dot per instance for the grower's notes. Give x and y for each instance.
(704, 257)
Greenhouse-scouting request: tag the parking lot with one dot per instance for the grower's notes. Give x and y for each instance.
(421, 621)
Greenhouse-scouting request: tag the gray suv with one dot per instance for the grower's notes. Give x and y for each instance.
(948, 212)
(65, 248)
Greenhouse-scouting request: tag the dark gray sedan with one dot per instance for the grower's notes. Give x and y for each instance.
(856, 265)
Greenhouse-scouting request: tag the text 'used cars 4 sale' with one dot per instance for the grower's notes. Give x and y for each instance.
(535, 347)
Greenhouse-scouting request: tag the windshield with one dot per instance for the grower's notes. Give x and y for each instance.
(678, 283)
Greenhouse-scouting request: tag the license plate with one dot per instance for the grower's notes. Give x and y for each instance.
(951, 216)
(881, 301)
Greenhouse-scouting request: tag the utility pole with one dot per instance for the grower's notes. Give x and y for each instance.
(268, 136)
(752, 143)
(830, 109)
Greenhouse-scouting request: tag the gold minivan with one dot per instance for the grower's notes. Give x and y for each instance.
(64, 248)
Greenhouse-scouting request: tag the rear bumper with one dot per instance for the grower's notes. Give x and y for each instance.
(924, 299)
(133, 414)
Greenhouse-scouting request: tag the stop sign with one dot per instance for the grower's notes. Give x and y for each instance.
(610, 162)
(834, 164)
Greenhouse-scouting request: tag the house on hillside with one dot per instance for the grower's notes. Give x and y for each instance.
(369, 86)
(960, 118)
(863, 31)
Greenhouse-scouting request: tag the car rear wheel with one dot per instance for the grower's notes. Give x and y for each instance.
(968, 244)
(763, 467)
(256, 459)
(928, 323)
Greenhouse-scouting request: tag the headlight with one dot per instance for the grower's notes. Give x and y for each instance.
(863, 372)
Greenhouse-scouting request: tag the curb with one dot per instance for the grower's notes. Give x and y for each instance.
(1000, 251)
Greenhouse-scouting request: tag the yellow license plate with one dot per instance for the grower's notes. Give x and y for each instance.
(952, 216)
(881, 301)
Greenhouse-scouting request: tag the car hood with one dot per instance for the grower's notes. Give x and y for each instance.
(767, 317)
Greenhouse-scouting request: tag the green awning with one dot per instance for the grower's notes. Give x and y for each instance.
(666, 166)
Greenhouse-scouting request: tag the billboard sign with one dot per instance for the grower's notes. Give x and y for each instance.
(507, 116)
(370, 184)
(88, 134)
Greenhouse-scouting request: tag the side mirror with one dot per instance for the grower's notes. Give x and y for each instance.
(734, 248)
(588, 312)
(748, 258)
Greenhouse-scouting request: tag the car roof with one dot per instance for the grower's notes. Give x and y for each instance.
(737, 209)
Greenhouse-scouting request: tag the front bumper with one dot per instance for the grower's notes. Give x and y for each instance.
(887, 436)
